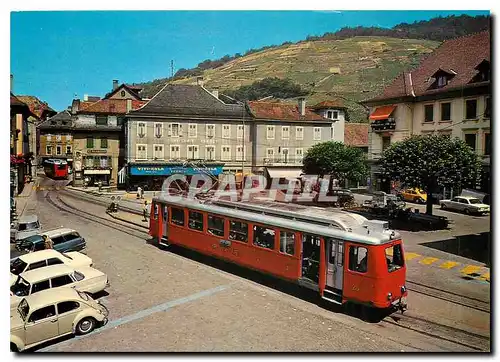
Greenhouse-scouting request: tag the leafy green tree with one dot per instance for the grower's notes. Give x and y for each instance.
(336, 159)
(429, 161)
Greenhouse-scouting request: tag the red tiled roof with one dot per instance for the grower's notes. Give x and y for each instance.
(382, 112)
(14, 101)
(282, 111)
(113, 106)
(356, 134)
(460, 55)
(36, 106)
(333, 103)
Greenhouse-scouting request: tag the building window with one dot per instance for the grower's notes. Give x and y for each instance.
(68, 150)
(177, 217)
(487, 108)
(239, 131)
(97, 161)
(158, 152)
(226, 131)
(470, 140)
(158, 129)
(210, 153)
(58, 150)
(68, 137)
(270, 154)
(88, 161)
(287, 242)
(471, 109)
(49, 137)
(238, 231)
(285, 132)
(104, 142)
(299, 133)
(446, 111)
(317, 133)
(120, 120)
(270, 132)
(210, 130)
(175, 152)
(442, 81)
(429, 113)
(329, 115)
(240, 155)
(195, 220)
(263, 237)
(58, 138)
(335, 115)
(386, 142)
(174, 129)
(332, 132)
(299, 154)
(48, 150)
(142, 153)
(285, 153)
(193, 152)
(215, 225)
(141, 129)
(192, 130)
(101, 120)
(358, 259)
(487, 144)
(90, 142)
(105, 161)
(226, 153)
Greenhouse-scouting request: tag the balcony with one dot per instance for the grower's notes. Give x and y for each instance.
(384, 125)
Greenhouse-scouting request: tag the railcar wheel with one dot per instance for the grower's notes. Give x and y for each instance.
(85, 326)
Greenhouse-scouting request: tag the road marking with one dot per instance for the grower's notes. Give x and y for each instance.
(449, 264)
(410, 256)
(429, 260)
(144, 313)
(470, 269)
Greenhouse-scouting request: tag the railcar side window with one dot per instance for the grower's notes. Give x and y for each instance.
(157, 210)
(215, 225)
(263, 237)
(358, 259)
(238, 231)
(394, 257)
(177, 216)
(195, 220)
(287, 242)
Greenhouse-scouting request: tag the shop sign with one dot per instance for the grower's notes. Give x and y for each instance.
(96, 172)
(96, 151)
(172, 170)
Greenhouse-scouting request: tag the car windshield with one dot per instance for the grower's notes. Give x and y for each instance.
(23, 309)
(17, 266)
(28, 226)
(21, 288)
(474, 201)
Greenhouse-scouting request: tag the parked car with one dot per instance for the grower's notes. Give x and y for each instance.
(84, 279)
(413, 195)
(51, 314)
(467, 204)
(44, 258)
(26, 226)
(64, 240)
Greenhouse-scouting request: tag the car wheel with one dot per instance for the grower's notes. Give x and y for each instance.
(467, 212)
(443, 206)
(13, 347)
(85, 326)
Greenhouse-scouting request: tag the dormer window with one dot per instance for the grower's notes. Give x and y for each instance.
(442, 81)
(483, 72)
(442, 77)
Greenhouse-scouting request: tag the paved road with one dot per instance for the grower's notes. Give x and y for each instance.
(176, 301)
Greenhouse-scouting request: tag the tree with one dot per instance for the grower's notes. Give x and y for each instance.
(426, 162)
(336, 159)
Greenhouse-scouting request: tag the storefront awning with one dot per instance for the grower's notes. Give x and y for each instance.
(283, 172)
(382, 113)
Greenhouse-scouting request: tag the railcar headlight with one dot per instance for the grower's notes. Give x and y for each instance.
(403, 289)
(389, 296)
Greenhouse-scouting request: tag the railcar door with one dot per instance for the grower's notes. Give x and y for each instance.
(165, 222)
(310, 257)
(335, 264)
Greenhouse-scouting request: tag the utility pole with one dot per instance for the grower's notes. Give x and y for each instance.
(172, 68)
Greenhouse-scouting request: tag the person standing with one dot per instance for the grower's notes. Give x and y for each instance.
(139, 190)
(145, 211)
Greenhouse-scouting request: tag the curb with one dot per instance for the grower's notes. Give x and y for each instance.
(128, 221)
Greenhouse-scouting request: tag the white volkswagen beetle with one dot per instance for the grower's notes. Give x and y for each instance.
(44, 258)
(84, 279)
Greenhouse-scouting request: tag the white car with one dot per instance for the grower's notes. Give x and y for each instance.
(84, 279)
(44, 258)
(467, 204)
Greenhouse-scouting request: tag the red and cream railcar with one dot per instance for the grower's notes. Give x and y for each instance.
(56, 169)
(363, 263)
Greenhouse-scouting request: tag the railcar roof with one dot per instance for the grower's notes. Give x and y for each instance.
(363, 234)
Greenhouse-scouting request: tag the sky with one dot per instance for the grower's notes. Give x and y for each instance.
(57, 55)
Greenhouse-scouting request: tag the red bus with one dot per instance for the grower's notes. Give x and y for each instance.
(56, 168)
(342, 256)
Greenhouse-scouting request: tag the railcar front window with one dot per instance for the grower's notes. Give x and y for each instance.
(238, 231)
(215, 225)
(177, 216)
(263, 237)
(358, 259)
(394, 257)
(195, 220)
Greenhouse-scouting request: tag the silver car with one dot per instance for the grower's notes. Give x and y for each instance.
(466, 204)
(26, 226)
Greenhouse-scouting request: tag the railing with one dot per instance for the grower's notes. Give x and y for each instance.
(384, 125)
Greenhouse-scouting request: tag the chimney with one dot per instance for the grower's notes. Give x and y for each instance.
(199, 81)
(75, 106)
(115, 84)
(12, 83)
(129, 105)
(85, 97)
(215, 92)
(302, 106)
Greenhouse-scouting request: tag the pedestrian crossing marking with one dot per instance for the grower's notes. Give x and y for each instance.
(449, 264)
(470, 269)
(410, 256)
(429, 260)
